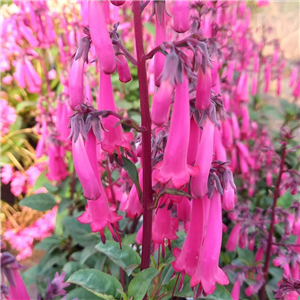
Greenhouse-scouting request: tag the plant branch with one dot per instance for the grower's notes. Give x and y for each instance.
(146, 137)
(262, 292)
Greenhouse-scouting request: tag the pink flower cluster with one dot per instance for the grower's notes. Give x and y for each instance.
(22, 240)
(7, 117)
(20, 182)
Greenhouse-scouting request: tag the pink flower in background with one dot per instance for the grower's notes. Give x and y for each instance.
(7, 173)
(7, 117)
(18, 184)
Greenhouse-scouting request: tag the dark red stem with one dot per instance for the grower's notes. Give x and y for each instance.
(262, 292)
(146, 137)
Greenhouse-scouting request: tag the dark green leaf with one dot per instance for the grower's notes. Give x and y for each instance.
(126, 257)
(41, 180)
(48, 243)
(285, 201)
(71, 267)
(64, 204)
(40, 202)
(50, 188)
(97, 282)
(139, 285)
(132, 172)
(81, 294)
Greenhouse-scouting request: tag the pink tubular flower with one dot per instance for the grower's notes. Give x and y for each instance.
(160, 37)
(33, 79)
(254, 85)
(57, 166)
(184, 210)
(19, 75)
(113, 137)
(235, 293)
(174, 166)
(193, 141)
(164, 227)
(267, 78)
(293, 76)
(63, 112)
(123, 69)
(208, 271)
(262, 3)
(84, 170)
(76, 83)
(228, 191)
(296, 91)
(161, 103)
(98, 213)
(19, 291)
(162, 100)
(203, 92)
(6, 173)
(242, 88)
(186, 259)
(133, 205)
(203, 160)
(100, 37)
(181, 16)
(233, 238)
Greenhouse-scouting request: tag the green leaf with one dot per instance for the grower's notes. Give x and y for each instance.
(40, 202)
(132, 172)
(97, 282)
(221, 293)
(50, 188)
(64, 204)
(50, 260)
(48, 243)
(285, 201)
(81, 294)
(246, 256)
(87, 252)
(71, 267)
(41, 180)
(270, 292)
(139, 285)
(126, 257)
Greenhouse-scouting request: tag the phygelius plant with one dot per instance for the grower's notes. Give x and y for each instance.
(143, 208)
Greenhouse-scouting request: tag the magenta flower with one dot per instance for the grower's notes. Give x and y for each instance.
(56, 287)
(84, 170)
(57, 166)
(242, 88)
(193, 141)
(63, 112)
(235, 293)
(208, 271)
(233, 238)
(113, 137)
(203, 92)
(123, 69)
(7, 173)
(17, 184)
(184, 210)
(100, 37)
(181, 16)
(229, 189)
(293, 76)
(98, 212)
(164, 227)
(203, 160)
(186, 259)
(174, 166)
(133, 205)
(162, 99)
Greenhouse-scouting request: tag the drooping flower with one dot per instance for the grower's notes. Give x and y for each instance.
(186, 259)
(163, 228)
(181, 16)
(203, 160)
(208, 272)
(123, 69)
(100, 37)
(10, 268)
(84, 170)
(174, 166)
(162, 99)
(113, 137)
(76, 90)
(204, 84)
